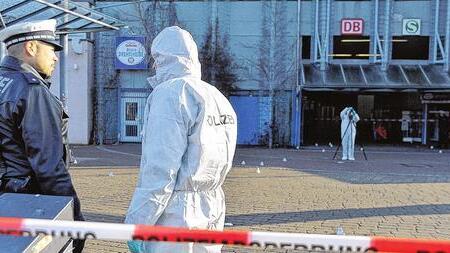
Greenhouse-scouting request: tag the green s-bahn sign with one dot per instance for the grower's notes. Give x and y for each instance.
(411, 26)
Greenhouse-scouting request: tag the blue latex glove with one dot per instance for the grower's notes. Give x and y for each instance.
(135, 246)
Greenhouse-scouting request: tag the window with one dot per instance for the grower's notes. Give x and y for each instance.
(131, 130)
(351, 47)
(131, 111)
(306, 47)
(410, 47)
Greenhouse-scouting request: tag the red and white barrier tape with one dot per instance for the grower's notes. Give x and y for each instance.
(312, 242)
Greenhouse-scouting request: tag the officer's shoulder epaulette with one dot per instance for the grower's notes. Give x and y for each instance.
(31, 79)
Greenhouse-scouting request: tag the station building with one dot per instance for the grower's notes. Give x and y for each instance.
(297, 65)
(388, 59)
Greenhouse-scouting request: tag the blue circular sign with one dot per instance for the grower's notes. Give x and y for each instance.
(131, 52)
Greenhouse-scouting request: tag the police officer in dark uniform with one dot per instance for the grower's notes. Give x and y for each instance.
(33, 123)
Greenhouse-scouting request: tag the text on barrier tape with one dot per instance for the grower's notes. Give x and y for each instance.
(311, 242)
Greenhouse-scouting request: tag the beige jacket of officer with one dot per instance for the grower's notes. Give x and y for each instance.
(189, 141)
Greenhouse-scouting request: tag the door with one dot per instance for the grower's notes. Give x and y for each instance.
(253, 114)
(132, 118)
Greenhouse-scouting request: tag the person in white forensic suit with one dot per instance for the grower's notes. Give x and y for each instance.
(189, 140)
(349, 118)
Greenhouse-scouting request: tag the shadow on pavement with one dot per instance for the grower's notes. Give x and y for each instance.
(100, 217)
(335, 214)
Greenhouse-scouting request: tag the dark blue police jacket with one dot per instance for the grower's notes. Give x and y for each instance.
(33, 144)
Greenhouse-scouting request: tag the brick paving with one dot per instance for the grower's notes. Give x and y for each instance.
(397, 193)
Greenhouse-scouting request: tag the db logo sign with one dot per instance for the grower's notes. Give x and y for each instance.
(411, 26)
(352, 26)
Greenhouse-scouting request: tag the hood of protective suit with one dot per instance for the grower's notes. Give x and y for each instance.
(175, 54)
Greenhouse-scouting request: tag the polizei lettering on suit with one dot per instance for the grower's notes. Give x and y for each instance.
(218, 120)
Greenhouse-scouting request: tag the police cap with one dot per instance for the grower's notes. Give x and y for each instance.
(42, 30)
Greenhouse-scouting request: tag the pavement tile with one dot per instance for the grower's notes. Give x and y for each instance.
(306, 194)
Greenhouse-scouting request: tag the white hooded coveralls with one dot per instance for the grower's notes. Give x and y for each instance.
(188, 145)
(348, 132)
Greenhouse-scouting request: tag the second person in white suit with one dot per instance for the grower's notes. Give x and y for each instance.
(349, 118)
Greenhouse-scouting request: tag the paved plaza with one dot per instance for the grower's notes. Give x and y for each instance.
(398, 192)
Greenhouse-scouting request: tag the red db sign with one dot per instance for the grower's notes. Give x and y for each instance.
(352, 26)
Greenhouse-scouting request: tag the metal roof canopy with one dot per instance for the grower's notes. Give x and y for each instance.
(372, 77)
(71, 17)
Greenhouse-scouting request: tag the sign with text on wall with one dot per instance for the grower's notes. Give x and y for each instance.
(352, 26)
(130, 53)
(411, 26)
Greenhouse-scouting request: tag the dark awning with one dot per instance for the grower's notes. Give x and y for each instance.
(372, 78)
(71, 17)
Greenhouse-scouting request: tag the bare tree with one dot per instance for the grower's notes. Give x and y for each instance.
(217, 64)
(276, 70)
(153, 17)
(273, 69)
(172, 14)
